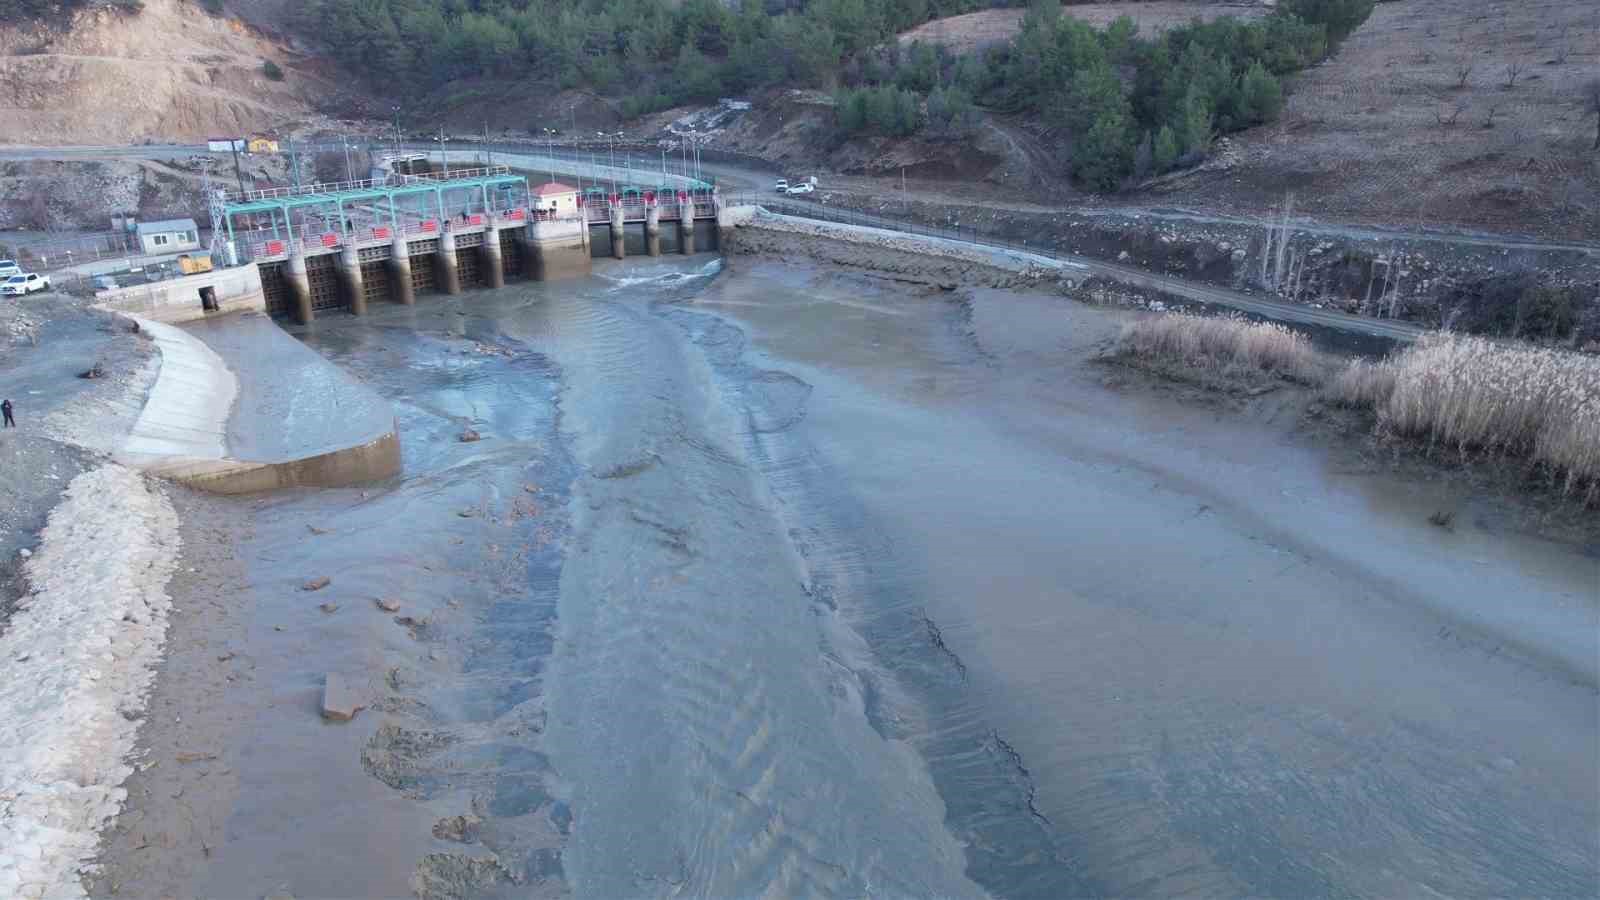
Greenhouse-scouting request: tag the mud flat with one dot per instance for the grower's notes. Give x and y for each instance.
(1224, 656)
(857, 585)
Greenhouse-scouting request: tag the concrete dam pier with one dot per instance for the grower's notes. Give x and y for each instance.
(346, 246)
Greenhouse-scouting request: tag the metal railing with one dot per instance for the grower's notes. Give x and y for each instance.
(459, 174)
(321, 187)
(365, 184)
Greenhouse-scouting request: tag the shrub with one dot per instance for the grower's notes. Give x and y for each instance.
(271, 70)
(1339, 17)
(884, 110)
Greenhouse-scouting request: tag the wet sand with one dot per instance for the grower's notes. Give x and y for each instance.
(792, 580)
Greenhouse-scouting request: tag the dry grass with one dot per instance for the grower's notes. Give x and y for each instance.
(1465, 395)
(1226, 343)
(1362, 384)
(1472, 395)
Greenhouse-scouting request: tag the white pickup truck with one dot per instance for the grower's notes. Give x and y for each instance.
(21, 285)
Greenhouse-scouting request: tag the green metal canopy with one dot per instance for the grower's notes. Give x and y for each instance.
(338, 198)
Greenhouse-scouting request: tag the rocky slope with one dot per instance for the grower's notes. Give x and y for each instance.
(170, 71)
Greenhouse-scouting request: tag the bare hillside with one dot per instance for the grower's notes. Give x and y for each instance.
(1436, 111)
(170, 72)
(971, 31)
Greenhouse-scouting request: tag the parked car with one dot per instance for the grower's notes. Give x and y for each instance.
(18, 285)
(804, 187)
(9, 267)
(783, 186)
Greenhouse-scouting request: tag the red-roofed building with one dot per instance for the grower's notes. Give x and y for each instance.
(553, 195)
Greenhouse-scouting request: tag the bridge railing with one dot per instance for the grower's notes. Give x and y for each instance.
(459, 174)
(365, 184)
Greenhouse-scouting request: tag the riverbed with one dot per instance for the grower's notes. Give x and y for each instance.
(772, 579)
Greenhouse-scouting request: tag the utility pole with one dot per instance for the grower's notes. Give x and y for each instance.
(488, 154)
(349, 170)
(294, 162)
(237, 172)
(444, 157)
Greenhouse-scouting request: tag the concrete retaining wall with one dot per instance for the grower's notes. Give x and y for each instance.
(352, 465)
(178, 300)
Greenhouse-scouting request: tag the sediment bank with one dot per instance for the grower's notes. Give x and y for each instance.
(79, 657)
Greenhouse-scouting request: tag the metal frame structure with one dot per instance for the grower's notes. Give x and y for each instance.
(395, 201)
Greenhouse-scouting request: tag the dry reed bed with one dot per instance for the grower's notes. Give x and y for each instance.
(1463, 394)
(1226, 343)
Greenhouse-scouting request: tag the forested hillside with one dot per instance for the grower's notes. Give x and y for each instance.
(1127, 105)
(17, 11)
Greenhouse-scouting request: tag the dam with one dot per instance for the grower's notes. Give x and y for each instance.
(343, 246)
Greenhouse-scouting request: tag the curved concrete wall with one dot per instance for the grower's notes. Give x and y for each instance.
(181, 433)
(186, 414)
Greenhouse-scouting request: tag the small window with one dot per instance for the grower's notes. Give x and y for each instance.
(159, 240)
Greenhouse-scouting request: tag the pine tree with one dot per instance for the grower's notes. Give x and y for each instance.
(1194, 123)
(1260, 97)
(1164, 155)
(1104, 156)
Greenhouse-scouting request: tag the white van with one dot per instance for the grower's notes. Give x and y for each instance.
(8, 268)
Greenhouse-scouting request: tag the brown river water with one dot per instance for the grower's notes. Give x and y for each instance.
(780, 581)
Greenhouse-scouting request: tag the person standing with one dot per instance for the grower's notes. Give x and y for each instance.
(6, 409)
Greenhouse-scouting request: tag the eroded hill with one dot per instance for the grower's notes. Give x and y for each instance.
(169, 72)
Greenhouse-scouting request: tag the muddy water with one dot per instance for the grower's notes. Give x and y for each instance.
(782, 582)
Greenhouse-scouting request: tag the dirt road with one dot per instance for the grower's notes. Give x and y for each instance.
(1388, 329)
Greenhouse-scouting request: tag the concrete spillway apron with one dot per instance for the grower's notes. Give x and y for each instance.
(182, 432)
